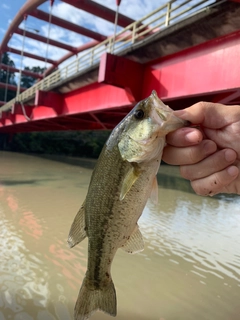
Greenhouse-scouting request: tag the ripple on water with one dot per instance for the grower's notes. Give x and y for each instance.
(195, 236)
(188, 270)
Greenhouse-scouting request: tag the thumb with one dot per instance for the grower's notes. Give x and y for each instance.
(210, 115)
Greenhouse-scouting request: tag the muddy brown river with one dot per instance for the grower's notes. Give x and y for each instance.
(189, 270)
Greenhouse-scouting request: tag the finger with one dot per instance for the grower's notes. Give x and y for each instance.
(225, 138)
(215, 183)
(188, 155)
(211, 115)
(208, 166)
(184, 137)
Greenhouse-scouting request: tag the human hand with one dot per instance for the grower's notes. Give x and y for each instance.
(210, 155)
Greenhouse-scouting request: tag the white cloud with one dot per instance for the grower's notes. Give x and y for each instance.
(5, 6)
(69, 13)
(55, 32)
(83, 18)
(63, 35)
(134, 9)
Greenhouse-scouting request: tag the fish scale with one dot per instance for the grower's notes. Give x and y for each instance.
(121, 183)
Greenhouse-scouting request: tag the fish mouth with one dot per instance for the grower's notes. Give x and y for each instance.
(163, 116)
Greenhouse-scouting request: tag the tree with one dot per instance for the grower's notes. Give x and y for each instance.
(7, 77)
(28, 81)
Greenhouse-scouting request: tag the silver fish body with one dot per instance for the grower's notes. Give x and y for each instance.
(122, 181)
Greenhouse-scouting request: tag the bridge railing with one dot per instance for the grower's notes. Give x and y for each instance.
(159, 19)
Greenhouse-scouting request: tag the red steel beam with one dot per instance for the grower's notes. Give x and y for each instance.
(27, 7)
(206, 68)
(37, 37)
(32, 56)
(51, 106)
(100, 11)
(50, 125)
(39, 14)
(10, 87)
(113, 70)
(231, 97)
(28, 73)
(105, 96)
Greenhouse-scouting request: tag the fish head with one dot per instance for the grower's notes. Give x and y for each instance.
(145, 130)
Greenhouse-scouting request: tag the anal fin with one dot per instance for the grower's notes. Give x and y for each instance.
(135, 243)
(154, 191)
(77, 232)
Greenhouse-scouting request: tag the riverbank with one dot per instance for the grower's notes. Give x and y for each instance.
(66, 143)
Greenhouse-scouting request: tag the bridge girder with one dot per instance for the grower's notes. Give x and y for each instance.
(101, 105)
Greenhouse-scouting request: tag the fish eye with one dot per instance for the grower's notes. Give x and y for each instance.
(139, 114)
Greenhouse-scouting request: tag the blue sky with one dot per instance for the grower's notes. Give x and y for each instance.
(135, 9)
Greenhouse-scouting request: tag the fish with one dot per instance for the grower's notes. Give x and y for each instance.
(121, 183)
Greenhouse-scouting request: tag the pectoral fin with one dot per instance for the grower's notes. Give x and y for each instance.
(128, 181)
(154, 191)
(135, 243)
(77, 232)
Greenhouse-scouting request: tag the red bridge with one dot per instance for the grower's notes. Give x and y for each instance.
(186, 51)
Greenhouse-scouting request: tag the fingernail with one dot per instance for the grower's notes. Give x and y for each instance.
(230, 155)
(232, 171)
(192, 137)
(209, 147)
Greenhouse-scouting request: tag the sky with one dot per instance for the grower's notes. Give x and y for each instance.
(134, 9)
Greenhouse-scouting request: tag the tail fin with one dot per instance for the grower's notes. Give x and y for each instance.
(89, 301)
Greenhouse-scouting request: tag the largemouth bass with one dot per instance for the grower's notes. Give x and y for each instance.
(121, 183)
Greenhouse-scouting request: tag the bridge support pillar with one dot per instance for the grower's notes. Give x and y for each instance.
(49, 99)
(123, 73)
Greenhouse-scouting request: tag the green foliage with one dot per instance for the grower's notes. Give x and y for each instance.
(7, 77)
(69, 143)
(27, 81)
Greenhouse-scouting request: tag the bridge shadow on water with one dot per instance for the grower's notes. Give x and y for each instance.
(22, 182)
(168, 176)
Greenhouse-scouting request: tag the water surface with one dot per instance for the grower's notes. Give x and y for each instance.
(189, 270)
